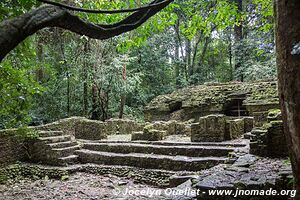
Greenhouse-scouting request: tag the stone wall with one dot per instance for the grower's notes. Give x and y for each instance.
(269, 140)
(260, 111)
(90, 130)
(158, 130)
(211, 128)
(12, 149)
(217, 128)
(198, 101)
(122, 126)
(82, 128)
(172, 127)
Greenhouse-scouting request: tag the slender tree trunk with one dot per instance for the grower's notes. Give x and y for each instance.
(288, 63)
(85, 78)
(238, 34)
(202, 55)
(40, 57)
(188, 53)
(95, 108)
(122, 104)
(230, 57)
(195, 50)
(177, 46)
(123, 96)
(95, 104)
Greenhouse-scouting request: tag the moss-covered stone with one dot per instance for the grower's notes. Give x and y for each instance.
(236, 128)
(21, 171)
(210, 128)
(202, 100)
(90, 129)
(269, 139)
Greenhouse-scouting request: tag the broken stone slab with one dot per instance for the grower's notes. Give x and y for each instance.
(176, 180)
(245, 161)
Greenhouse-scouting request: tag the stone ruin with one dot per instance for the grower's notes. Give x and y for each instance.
(213, 122)
(269, 140)
(220, 112)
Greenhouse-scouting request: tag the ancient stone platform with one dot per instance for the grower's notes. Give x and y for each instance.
(167, 155)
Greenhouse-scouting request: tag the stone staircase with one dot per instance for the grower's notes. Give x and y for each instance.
(55, 148)
(174, 156)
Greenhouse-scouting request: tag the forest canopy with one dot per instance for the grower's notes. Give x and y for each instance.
(56, 73)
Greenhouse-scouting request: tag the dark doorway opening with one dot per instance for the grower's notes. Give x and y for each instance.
(235, 106)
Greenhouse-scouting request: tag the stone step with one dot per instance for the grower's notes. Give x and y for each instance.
(71, 159)
(170, 143)
(183, 150)
(50, 133)
(150, 161)
(62, 144)
(66, 151)
(55, 139)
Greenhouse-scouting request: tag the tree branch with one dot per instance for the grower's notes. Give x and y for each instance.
(14, 31)
(142, 8)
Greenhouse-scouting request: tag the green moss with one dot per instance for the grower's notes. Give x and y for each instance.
(26, 134)
(266, 126)
(21, 171)
(274, 112)
(22, 134)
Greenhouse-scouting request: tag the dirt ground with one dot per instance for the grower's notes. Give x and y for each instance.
(79, 186)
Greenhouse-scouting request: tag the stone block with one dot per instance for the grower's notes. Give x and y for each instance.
(210, 128)
(248, 124)
(139, 135)
(260, 118)
(274, 115)
(154, 135)
(122, 126)
(90, 130)
(236, 128)
(269, 140)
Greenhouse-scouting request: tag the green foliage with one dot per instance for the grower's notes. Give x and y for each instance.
(25, 134)
(13, 8)
(43, 79)
(17, 87)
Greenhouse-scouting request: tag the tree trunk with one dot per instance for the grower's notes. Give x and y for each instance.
(85, 79)
(288, 63)
(39, 73)
(123, 96)
(95, 106)
(122, 104)
(188, 54)
(238, 35)
(177, 46)
(230, 56)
